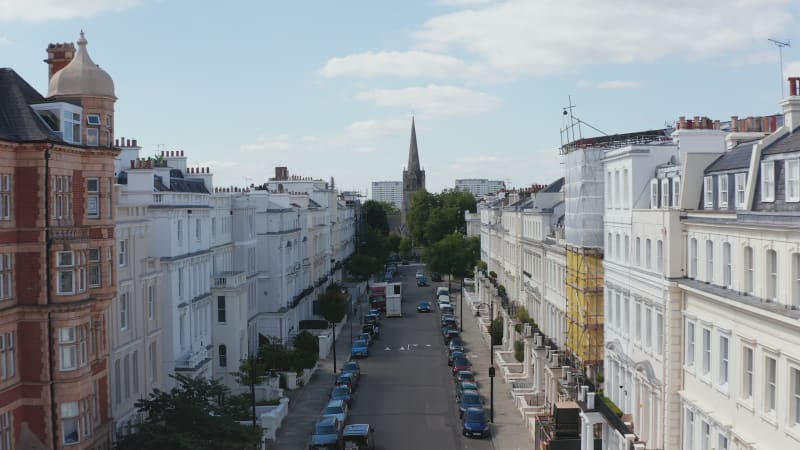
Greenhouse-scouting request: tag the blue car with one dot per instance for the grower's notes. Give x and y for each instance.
(360, 348)
(475, 423)
(469, 399)
(342, 393)
(327, 434)
(424, 307)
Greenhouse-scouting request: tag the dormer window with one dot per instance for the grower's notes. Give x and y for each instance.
(93, 119)
(768, 181)
(793, 180)
(62, 118)
(709, 191)
(723, 190)
(654, 194)
(665, 193)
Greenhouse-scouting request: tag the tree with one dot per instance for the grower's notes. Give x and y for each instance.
(375, 214)
(456, 255)
(393, 242)
(422, 202)
(190, 416)
(405, 248)
(361, 266)
(333, 307)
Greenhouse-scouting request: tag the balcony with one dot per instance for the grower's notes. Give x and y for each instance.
(192, 361)
(69, 234)
(167, 199)
(229, 280)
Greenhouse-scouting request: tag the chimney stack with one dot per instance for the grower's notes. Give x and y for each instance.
(58, 56)
(281, 173)
(791, 105)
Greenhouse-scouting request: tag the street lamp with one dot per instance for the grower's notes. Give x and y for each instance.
(491, 354)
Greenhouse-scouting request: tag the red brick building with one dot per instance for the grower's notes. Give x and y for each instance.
(57, 268)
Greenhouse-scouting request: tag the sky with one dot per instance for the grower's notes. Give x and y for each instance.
(328, 88)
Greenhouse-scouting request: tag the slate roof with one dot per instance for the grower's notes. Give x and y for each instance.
(179, 185)
(18, 121)
(555, 186)
(787, 144)
(736, 158)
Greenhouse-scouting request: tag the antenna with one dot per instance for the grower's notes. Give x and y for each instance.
(780, 46)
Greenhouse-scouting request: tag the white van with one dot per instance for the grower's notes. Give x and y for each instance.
(442, 291)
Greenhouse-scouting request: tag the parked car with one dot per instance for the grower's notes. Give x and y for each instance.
(369, 328)
(358, 436)
(466, 375)
(327, 434)
(337, 409)
(376, 312)
(454, 355)
(372, 318)
(360, 348)
(450, 334)
(419, 274)
(475, 423)
(422, 281)
(343, 393)
(469, 399)
(449, 319)
(456, 345)
(441, 290)
(446, 328)
(436, 276)
(444, 300)
(346, 379)
(424, 307)
(353, 367)
(447, 309)
(460, 364)
(364, 337)
(463, 387)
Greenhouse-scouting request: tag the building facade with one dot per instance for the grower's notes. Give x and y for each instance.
(389, 192)
(479, 186)
(57, 254)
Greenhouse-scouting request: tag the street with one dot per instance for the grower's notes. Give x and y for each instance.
(406, 391)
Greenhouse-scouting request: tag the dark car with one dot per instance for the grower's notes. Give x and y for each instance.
(454, 355)
(463, 387)
(475, 423)
(364, 337)
(456, 345)
(422, 281)
(376, 312)
(352, 367)
(327, 434)
(466, 375)
(424, 307)
(360, 348)
(460, 364)
(358, 436)
(436, 276)
(346, 379)
(469, 399)
(446, 309)
(446, 328)
(449, 319)
(450, 334)
(343, 393)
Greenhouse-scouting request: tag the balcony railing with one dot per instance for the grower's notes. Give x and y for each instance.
(229, 280)
(178, 198)
(69, 234)
(191, 361)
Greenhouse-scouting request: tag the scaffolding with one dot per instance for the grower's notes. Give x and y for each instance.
(585, 311)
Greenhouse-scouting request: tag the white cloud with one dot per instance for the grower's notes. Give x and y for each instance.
(518, 37)
(395, 64)
(47, 10)
(432, 101)
(462, 2)
(376, 129)
(618, 84)
(263, 143)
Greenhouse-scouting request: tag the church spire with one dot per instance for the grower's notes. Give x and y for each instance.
(413, 154)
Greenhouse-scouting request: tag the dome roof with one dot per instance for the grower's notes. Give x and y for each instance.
(81, 77)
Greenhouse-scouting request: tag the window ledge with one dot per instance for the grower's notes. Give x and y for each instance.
(705, 378)
(793, 432)
(746, 404)
(770, 419)
(723, 389)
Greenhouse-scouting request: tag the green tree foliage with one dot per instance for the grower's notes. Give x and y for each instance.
(422, 203)
(375, 214)
(190, 416)
(497, 332)
(333, 304)
(433, 216)
(405, 248)
(307, 342)
(393, 243)
(455, 254)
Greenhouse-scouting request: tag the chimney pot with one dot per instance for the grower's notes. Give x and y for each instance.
(794, 86)
(181, 152)
(134, 143)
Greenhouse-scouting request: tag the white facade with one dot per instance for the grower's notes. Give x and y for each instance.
(479, 186)
(389, 192)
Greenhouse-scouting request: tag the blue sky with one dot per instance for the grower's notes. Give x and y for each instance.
(328, 88)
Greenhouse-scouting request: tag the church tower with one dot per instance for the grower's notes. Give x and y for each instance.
(413, 178)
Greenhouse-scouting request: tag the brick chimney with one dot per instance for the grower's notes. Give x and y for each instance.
(58, 56)
(281, 173)
(791, 105)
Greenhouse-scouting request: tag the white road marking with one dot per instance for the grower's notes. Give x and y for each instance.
(387, 348)
(401, 348)
(427, 345)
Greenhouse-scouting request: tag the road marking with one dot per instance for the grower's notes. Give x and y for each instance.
(387, 348)
(401, 348)
(427, 345)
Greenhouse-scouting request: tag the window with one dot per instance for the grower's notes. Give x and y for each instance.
(770, 378)
(221, 309)
(676, 192)
(637, 322)
(6, 431)
(123, 311)
(625, 189)
(722, 443)
(795, 280)
(659, 333)
(792, 180)
(748, 270)
(706, 351)
(705, 435)
(118, 380)
(93, 198)
(66, 273)
(73, 347)
(648, 253)
(5, 197)
(690, 345)
(653, 194)
(197, 230)
(153, 361)
(151, 302)
(626, 320)
(123, 253)
(8, 361)
(111, 265)
(223, 356)
(648, 327)
(627, 248)
(180, 230)
(709, 260)
(708, 183)
(610, 245)
(180, 282)
(747, 372)
(659, 255)
(618, 310)
(126, 374)
(69, 422)
(62, 196)
(182, 330)
(794, 380)
(723, 360)
(741, 182)
(95, 278)
(665, 193)
(767, 181)
(726, 264)
(617, 196)
(617, 248)
(723, 190)
(135, 373)
(93, 119)
(693, 258)
(6, 276)
(772, 275)
(638, 251)
(92, 137)
(689, 431)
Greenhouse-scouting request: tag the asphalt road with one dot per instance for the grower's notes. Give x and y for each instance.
(406, 391)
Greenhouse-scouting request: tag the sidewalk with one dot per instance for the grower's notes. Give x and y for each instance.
(306, 403)
(509, 431)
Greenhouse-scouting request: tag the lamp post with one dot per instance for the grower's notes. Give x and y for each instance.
(491, 355)
(334, 347)
(461, 318)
